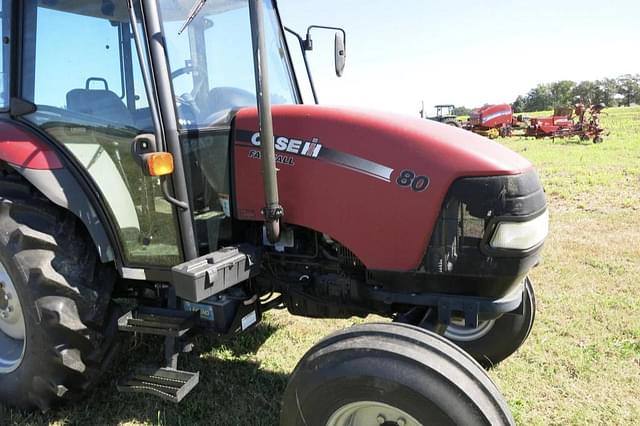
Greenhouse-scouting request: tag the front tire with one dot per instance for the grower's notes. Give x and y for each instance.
(381, 373)
(493, 341)
(63, 294)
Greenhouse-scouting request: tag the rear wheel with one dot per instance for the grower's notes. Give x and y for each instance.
(452, 122)
(493, 341)
(57, 321)
(390, 374)
(12, 329)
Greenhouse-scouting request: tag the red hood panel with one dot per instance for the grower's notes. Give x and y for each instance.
(341, 173)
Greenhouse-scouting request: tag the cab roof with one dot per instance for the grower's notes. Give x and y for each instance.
(116, 10)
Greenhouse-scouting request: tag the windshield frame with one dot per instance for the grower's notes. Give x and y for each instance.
(289, 60)
(286, 60)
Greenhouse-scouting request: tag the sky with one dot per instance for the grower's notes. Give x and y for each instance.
(469, 53)
(401, 53)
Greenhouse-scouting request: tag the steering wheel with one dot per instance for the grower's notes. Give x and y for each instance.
(223, 100)
(188, 110)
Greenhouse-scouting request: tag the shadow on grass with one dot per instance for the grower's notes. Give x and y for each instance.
(572, 141)
(232, 391)
(238, 344)
(569, 140)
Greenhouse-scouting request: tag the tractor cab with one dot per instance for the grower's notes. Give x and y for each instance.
(87, 84)
(444, 111)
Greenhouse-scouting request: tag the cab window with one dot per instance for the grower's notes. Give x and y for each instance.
(81, 70)
(5, 31)
(211, 60)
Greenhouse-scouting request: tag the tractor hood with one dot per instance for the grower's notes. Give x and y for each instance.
(373, 181)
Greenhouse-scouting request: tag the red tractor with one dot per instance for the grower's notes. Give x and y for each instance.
(135, 165)
(491, 121)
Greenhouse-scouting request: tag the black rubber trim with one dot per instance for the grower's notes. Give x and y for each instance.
(450, 302)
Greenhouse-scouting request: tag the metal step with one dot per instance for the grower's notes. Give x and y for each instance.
(163, 322)
(166, 383)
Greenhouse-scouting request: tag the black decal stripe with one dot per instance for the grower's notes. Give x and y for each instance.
(356, 163)
(364, 172)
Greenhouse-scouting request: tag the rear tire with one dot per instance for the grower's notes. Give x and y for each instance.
(366, 373)
(69, 321)
(454, 123)
(494, 341)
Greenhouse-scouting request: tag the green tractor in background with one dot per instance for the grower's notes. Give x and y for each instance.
(444, 114)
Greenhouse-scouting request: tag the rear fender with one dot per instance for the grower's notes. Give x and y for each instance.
(41, 166)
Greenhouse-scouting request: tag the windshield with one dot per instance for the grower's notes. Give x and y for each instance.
(211, 61)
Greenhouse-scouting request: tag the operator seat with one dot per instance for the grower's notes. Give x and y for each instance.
(102, 104)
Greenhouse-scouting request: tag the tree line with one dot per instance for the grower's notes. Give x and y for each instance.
(620, 91)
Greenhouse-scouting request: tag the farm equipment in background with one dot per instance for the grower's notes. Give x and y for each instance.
(580, 121)
(203, 212)
(444, 114)
(491, 121)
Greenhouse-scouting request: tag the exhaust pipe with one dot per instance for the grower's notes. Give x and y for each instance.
(272, 211)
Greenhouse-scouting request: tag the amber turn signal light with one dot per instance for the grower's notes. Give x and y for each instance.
(159, 163)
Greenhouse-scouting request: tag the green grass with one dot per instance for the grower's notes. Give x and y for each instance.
(581, 364)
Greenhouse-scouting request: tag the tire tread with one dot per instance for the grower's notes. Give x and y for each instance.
(70, 291)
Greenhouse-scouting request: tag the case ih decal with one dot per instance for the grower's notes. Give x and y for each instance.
(313, 149)
(280, 158)
(294, 146)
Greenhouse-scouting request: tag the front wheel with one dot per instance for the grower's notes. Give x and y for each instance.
(493, 341)
(393, 374)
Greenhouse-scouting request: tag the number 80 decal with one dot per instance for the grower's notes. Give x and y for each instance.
(408, 179)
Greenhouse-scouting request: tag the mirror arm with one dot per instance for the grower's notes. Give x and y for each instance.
(303, 49)
(322, 27)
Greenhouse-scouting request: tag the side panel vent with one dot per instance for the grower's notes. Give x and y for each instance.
(347, 258)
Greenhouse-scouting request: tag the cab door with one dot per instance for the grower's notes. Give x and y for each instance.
(81, 71)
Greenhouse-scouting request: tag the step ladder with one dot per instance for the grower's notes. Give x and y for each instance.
(166, 382)
(158, 321)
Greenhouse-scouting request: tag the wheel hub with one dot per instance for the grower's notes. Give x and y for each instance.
(371, 413)
(8, 311)
(457, 330)
(4, 298)
(4, 301)
(12, 327)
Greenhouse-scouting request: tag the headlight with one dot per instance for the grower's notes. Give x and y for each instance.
(521, 235)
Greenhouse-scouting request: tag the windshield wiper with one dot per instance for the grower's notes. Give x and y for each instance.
(192, 15)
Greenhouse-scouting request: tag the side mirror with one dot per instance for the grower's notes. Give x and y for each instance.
(340, 45)
(340, 54)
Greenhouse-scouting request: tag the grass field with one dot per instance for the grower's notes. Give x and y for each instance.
(581, 364)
